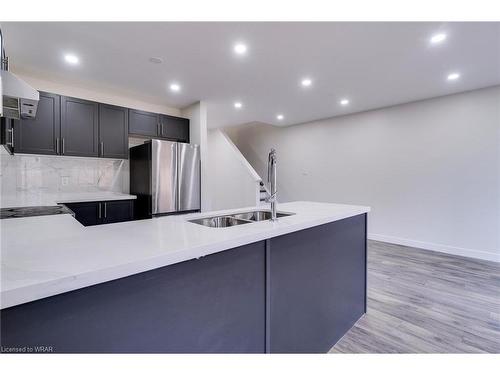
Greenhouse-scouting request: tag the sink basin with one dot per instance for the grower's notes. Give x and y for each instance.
(259, 215)
(220, 221)
(237, 219)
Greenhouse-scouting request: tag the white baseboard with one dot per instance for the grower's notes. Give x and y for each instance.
(471, 253)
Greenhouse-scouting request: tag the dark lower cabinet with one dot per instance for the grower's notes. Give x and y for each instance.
(87, 213)
(113, 131)
(95, 213)
(117, 211)
(40, 135)
(79, 127)
(297, 293)
(317, 285)
(211, 305)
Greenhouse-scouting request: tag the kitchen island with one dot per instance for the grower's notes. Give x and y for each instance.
(170, 285)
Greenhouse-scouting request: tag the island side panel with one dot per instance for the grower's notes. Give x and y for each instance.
(317, 283)
(213, 304)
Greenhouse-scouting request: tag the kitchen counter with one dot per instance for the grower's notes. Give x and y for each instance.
(60, 255)
(25, 199)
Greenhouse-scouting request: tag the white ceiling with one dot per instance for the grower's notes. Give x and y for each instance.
(373, 64)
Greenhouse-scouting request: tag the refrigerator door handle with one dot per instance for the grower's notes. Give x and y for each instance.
(154, 181)
(175, 169)
(164, 176)
(189, 177)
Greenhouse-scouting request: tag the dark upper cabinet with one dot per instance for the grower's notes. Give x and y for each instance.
(79, 127)
(95, 213)
(7, 133)
(143, 123)
(174, 128)
(162, 126)
(41, 134)
(113, 131)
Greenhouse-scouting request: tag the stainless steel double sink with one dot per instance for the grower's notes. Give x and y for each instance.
(224, 221)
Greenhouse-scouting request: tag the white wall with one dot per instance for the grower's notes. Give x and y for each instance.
(430, 170)
(232, 183)
(197, 114)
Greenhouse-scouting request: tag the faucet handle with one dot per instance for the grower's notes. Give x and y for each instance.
(268, 173)
(271, 159)
(269, 167)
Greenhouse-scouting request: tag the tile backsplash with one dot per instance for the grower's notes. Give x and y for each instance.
(56, 174)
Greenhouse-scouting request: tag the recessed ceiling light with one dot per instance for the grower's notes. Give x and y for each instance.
(175, 87)
(240, 48)
(453, 76)
(306, 82)
(156, 60)
(280, 117)
(344, 102)
(71, 59)
(438, 38)
(238, 105)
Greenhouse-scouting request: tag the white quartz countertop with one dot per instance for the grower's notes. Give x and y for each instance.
(27, 199)
(47, 255)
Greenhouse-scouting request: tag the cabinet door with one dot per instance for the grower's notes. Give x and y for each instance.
(215, 304)
(40, 135)
(79, 127)
(317, 285)
(143, 123)
(113, 131)
(87, 213)
(7, 133)
(117, 211)
(174, 128)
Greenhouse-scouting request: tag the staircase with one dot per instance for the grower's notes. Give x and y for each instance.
(234, 182)
(263, 192)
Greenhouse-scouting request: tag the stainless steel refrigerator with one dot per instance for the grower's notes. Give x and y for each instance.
(165, 176)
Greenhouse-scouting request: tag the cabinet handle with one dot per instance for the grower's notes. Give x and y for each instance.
(105, 210)
(99, 205)
(102, 148)
(62, 147)
(11, 143)
(158, 129)
(57, 146)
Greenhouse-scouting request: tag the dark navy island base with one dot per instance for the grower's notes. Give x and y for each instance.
(297, 293)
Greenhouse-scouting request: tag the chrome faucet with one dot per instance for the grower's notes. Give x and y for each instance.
(271, 180)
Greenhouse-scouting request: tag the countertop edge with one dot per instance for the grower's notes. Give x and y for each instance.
(100, 199)
(55, 199)
(29, 293)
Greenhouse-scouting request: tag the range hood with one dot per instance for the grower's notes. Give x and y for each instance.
(19, 100)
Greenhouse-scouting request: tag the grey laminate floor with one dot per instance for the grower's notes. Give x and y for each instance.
(422, 301)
